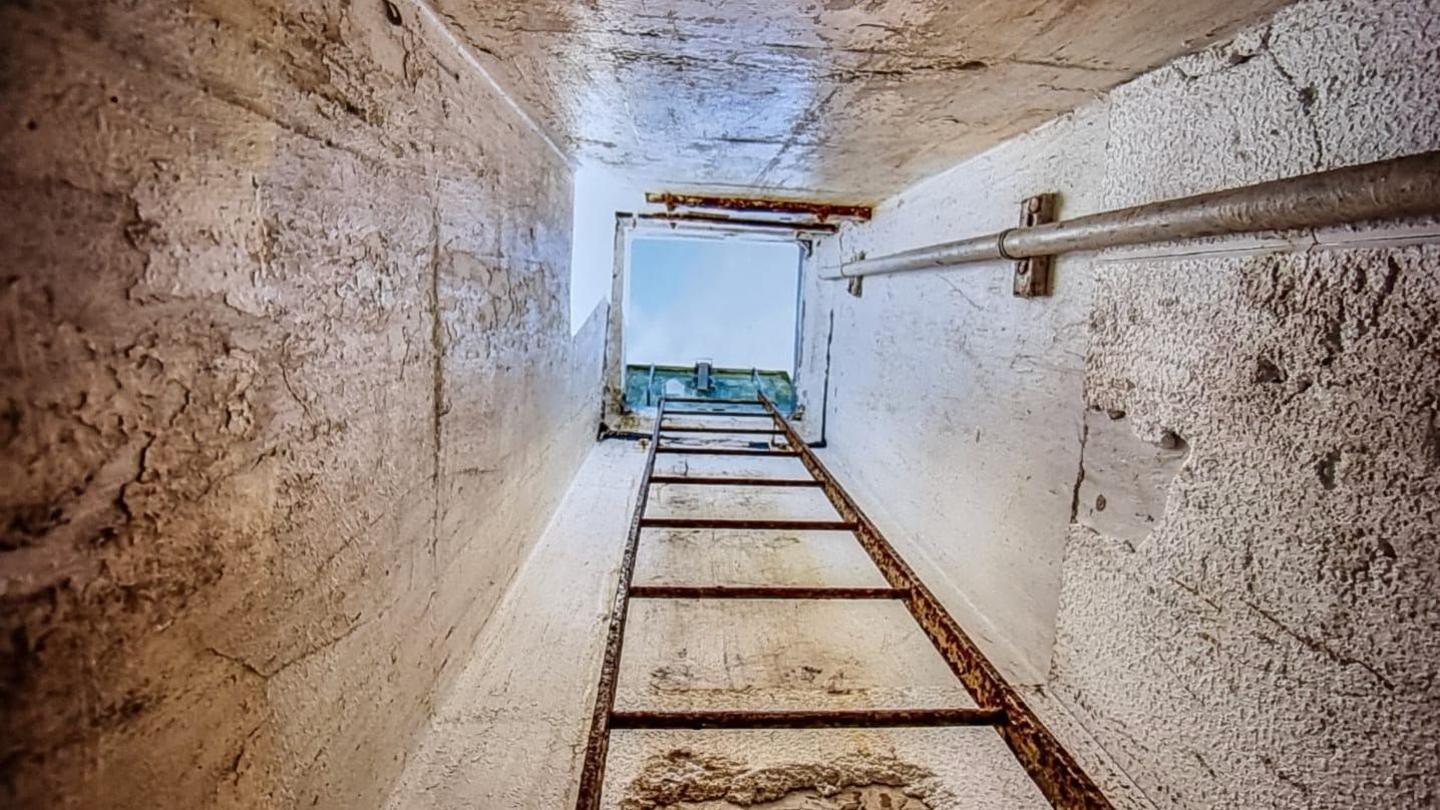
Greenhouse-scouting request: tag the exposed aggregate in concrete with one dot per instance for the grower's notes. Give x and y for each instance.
(684, 780)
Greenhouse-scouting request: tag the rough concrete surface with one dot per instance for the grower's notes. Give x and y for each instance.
(288, 393)
(512, 732)
(1250, 619)
(839, 98)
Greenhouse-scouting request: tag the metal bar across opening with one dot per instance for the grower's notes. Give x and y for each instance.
(746, 523)
(671, 449)
(733, 481)
(709, 429)
(838, 718)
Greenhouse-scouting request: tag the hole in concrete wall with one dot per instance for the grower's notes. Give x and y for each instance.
(1267, 372)
(392, 13)
(1325, 469)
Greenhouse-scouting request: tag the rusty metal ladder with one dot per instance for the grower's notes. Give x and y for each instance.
(1049, 765)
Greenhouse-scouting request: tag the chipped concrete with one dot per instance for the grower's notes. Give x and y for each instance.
(289, 391)
(682, 779)
(941, 769)
(809, 97)
(1249, 621)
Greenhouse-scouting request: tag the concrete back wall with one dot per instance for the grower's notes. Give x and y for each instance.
(289, 391)
(1212, 481)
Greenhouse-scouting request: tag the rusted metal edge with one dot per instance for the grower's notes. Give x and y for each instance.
(698, 429)
(733, 481)
(691, 218)
(748, 523)
(1049, 765)
(763, 205)
(592, 774)
(741, 414)
(833, 718)
(725, 451)
(761, 592)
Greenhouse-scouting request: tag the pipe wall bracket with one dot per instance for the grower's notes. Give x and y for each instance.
(1033, 274)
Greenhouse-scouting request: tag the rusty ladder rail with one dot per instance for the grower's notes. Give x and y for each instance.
(1049, 765)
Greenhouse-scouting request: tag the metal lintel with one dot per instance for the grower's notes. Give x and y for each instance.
(760, 205)
(740, 223)
(1033, 273)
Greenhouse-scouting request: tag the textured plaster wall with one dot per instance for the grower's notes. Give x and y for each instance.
(288, 392)
(953, 402)
(1245, 613)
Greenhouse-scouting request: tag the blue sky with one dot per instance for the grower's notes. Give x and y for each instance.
(728, 300)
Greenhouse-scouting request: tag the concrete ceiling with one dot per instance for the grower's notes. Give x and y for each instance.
(845, 99)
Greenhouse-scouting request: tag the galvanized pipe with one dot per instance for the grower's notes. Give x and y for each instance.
(1388, 189)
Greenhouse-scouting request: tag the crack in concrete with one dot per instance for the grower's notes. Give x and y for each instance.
(1080, 473)
(437, 392)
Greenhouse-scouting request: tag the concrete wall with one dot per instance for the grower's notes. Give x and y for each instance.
(289, 392)
(1213, 480)
(599, 196)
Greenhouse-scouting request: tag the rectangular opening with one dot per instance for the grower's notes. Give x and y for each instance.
(711, 319)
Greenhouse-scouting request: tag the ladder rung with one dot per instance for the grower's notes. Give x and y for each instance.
(726, 451)
(735, 481)
(696, 429)
(761, 592)
(834, 718)
(747, 523)
(740, 414)
(715, 401)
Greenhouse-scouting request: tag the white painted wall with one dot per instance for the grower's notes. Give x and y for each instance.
(598, 195)
(955, 403)
(1248, 619)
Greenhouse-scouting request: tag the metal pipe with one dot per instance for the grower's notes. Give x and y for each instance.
(1388, 189)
